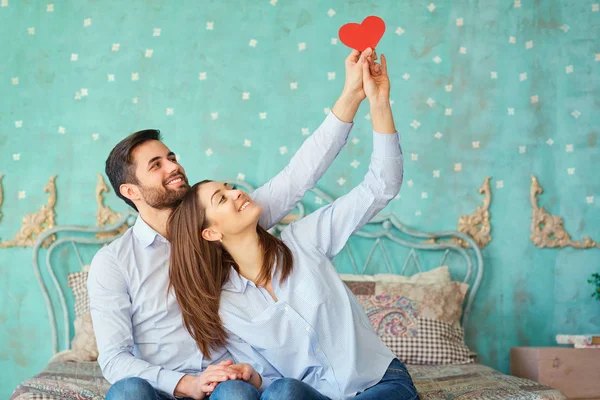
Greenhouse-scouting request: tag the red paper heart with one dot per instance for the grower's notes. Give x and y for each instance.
(361, 36)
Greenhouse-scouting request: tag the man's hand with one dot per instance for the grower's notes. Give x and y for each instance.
(198, 387)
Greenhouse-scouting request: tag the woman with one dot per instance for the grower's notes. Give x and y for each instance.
(280, 305)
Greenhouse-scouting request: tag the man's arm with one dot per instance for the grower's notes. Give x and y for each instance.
(110, 307)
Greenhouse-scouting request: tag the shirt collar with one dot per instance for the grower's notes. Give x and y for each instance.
(236, 282)
(145, 234)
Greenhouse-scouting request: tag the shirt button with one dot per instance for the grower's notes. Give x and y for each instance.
(286, 308)
(307, 329)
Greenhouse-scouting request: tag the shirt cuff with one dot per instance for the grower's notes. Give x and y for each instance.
(167, 380)
(265, 384)
(334, 124)
(386, 145)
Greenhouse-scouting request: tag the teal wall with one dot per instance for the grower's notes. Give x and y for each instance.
(528, 294)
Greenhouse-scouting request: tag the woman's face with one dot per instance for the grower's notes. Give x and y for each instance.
(229, 211)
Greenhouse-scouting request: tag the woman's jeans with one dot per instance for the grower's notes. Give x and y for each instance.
(396, 384)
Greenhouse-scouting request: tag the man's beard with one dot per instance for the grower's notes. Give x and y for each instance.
(163, 198)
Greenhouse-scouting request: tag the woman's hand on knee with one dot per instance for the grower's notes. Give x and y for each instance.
(198, 387)
(248, 373)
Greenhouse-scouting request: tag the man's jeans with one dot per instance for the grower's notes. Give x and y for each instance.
(396, 384)
(140, 389)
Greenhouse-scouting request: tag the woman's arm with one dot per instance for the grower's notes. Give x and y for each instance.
(377, 89)
(280, 195)
(329, 228)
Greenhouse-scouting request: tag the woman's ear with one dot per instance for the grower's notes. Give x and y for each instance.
(211, 235)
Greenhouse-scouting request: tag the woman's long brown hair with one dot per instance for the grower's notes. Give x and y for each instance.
(199, 268)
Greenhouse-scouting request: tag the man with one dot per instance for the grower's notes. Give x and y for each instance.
(144, 349)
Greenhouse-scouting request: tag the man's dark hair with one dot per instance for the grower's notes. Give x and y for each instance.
(120, 167)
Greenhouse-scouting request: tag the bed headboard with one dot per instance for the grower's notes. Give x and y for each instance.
(384, 245)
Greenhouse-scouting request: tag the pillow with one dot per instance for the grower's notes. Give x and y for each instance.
(83, 346)
(361, 287)
(440, 274)
(424, 328)
(394, 316)
(439, 301)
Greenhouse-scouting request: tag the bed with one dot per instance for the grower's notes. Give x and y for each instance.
(383, 246)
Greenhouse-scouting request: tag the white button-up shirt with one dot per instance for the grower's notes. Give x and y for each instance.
(138, 326)
(317, 331)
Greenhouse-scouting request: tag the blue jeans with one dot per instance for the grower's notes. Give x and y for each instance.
(140, 389)
(396, 384)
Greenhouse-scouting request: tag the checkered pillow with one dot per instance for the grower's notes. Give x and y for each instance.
(435, 343)
(78, 283)
(83, 346)
(414, 338)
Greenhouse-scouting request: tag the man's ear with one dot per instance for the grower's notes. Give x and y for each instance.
(130, 191)
(211, 235)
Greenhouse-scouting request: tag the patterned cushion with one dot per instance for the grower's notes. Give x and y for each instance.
(83, 346)
(438, 301)
(420, 330)
(391, 316)
(358, 287)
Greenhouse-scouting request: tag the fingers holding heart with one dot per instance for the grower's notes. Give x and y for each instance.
(353, 57)
(374, 67)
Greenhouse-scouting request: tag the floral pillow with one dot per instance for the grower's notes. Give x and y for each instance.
(439, 301)
(420, 323)
(394, 316)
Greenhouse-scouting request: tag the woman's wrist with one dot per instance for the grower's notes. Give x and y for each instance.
(381, 116)
(256, 379)
(346, 106)
(352, 98)
(379, 103)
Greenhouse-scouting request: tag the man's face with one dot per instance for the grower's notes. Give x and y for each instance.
(161, 180)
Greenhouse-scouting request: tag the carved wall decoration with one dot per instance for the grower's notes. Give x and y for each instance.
(105, 215)
(1, 176)
(477, 225)
(548, 230)
(34, 224)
